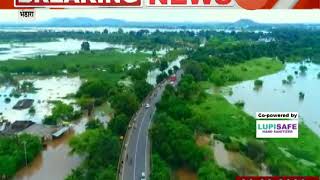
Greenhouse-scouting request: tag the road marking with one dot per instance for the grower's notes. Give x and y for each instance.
(145, 151)
(135, 154)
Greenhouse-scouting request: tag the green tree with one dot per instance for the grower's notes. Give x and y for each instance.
(119, 124)
(142, 89)
(32, 111)
(60, 112)
(258, 83)
(93, 124)
(12, 156)
(85, 46)
(290, 78)
(125, 102)
(195, 70)
(210, 171)
(160, 170)
(163, 65)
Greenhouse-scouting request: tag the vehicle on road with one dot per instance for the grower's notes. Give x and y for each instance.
(147, 105)
(143, 176)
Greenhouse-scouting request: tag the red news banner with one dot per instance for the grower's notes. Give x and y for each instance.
(245, 4)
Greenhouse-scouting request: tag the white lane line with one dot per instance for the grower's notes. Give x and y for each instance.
(146, 148)
(135, 154)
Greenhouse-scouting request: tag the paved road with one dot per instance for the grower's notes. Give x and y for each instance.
(136, 155)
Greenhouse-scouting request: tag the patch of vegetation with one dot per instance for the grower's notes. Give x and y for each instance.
(240, 104)
(12, 155)
(224, 118)
(254, 68)
(258, 83)
(94, 65)
(61, 112)
(160, 169)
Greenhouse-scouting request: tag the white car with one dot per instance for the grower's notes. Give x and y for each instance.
(143, 176)
(147, 105)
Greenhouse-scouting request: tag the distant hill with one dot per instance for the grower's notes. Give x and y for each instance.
(88, 22)
(245, 22)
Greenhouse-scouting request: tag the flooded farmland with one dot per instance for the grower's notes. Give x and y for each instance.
(277, 96)
(47, 90)
(22, 51)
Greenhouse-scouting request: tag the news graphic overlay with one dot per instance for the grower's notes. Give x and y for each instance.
(77, 3)
(236, 4)
(27, 15)
(277, 125)
(191, 3)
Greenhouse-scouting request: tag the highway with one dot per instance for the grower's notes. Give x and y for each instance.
(135, 157)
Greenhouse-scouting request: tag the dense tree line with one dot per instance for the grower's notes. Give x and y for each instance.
(12, 154)
(102, 145)
(173, 134)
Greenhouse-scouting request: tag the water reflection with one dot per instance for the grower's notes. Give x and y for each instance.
(152, 75)
(55, 162)
(32, 49)
(49, 89)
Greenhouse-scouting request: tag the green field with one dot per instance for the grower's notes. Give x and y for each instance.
(105, 64)
(253, 69)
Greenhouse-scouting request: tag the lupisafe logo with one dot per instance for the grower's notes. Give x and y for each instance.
(272, 127)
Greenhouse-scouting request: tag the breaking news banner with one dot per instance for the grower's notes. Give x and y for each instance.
(236, 4)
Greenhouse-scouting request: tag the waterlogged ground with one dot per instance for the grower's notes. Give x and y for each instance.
(276, 96)
(55, 162)
(49, 89)
(152, 75)
(32, 49)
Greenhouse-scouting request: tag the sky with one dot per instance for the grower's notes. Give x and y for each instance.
(174, 15)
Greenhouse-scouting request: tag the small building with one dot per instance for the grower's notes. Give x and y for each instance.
(23, 104)
(8, 128)
(60, 132)
(40, 130)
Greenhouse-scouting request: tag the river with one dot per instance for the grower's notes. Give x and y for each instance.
(274, 96)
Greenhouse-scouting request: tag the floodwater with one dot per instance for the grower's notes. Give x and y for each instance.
(152, 75)
(237, 162)
(274, 96)
(22, 51)
(55, 162)
(49, 89)
(233, 161)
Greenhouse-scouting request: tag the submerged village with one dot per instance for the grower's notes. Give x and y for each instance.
(23, 107)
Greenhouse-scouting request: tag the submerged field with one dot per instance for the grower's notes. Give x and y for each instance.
(253, 69)
(104, 64)
(237, 129)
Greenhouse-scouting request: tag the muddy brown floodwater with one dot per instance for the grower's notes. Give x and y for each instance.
(54, 162)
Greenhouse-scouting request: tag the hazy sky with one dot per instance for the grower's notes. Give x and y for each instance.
(175, 15)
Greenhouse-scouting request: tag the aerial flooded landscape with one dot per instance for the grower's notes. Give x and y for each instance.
(88, 102)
